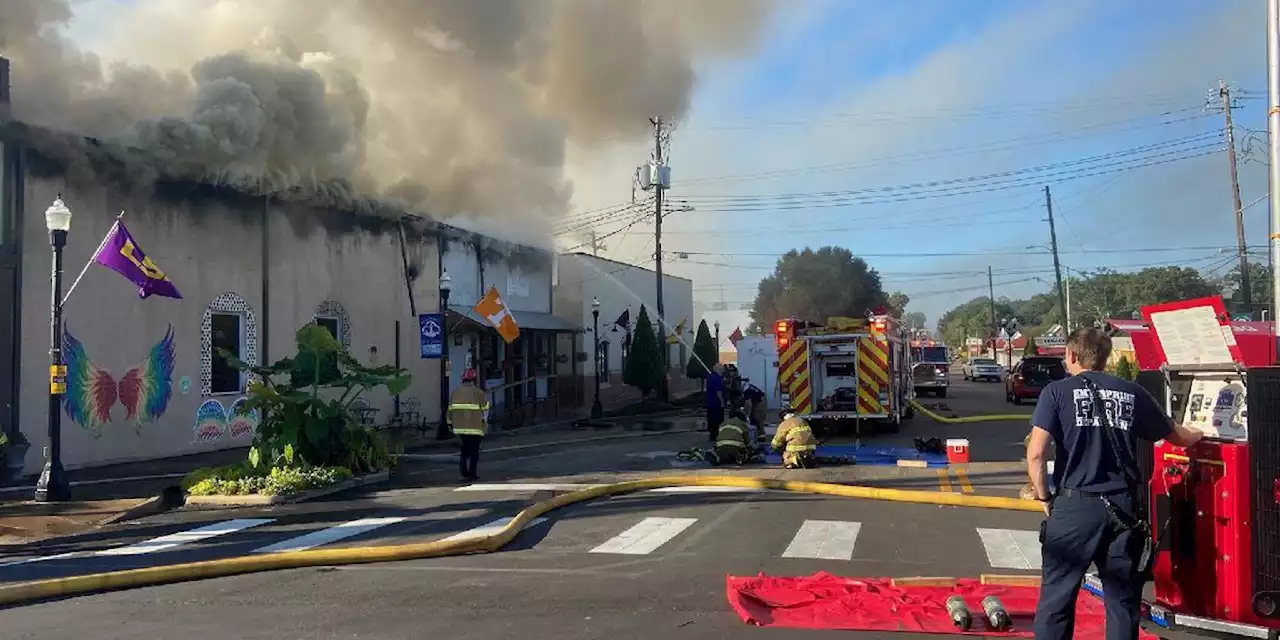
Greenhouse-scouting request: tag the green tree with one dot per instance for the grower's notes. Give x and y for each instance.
(1124, 368)
(815, 285)
(1259, 287)
(972, 320)
(706, 353)
(914, 320)
(644, 362)
(898, 303)
(1109, 294)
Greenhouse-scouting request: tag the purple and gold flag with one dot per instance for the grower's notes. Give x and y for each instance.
(121, 254)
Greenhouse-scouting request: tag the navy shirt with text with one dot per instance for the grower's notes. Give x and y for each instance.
(715, 386)
(1084, 460)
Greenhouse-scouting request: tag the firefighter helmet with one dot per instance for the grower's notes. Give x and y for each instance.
(469, 375)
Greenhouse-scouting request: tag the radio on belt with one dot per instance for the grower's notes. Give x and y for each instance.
(1215, 507)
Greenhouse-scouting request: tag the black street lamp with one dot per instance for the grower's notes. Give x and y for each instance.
(597, 410)
(442, 429)
(53, 486)
(717, 339)
(1010, 326)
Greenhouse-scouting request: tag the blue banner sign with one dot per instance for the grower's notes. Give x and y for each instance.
(431, 334)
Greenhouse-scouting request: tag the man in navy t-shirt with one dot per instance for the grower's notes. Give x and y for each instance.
(715, 400)
(1098, 482)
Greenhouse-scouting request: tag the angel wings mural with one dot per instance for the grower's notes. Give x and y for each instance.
(92, 393)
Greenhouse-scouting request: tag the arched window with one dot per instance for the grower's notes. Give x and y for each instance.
(228, 323)
(332, 316)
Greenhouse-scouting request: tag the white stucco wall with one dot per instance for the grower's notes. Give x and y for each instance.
(211, 250)
(619, 287)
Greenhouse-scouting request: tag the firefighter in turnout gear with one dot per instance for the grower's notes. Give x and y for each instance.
(731, 439)
(794, 439)
(469, 417)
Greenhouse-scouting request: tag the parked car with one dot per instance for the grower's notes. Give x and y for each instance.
(983, 369)
(1031, 376)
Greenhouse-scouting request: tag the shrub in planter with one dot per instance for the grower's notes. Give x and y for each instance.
(306, 407)
(243, 480)
(13, 455)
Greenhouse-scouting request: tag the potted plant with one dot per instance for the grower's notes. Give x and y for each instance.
(14, 449)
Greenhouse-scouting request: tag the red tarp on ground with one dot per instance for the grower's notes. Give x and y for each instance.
(825, 601)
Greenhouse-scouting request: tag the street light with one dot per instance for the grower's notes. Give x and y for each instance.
(442, 429)
(597, 410)
(717, 339)
(53, 486)
(1010, 326)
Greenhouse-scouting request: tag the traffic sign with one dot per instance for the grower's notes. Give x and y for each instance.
(431, 334)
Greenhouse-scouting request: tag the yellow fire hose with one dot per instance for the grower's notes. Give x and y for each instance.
(35, 591)
(969, 419)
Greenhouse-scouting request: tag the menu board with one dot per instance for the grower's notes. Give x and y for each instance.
(1193, 336)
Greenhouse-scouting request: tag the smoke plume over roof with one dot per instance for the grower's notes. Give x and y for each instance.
(457, 107)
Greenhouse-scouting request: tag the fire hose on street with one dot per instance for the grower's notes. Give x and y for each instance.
(30, 592)
(967, 419)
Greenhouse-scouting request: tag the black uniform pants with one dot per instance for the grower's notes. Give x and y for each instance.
(715, 417)
(1079, 532)
(470, 455)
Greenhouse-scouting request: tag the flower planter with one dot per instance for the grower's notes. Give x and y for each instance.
(15, 458)
(256, 500)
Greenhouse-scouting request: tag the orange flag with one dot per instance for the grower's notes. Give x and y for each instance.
(493, 309)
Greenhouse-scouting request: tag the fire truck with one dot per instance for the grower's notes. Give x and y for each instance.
(846, 376)
(931, 367)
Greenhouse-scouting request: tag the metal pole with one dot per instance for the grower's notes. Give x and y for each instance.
(597, 410)
(1273, 127)
(53, 486)
(1053, 241)
(663, 391)
(442, 429)
(995, 329)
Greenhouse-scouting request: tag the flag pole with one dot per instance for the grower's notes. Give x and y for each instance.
(91, 259)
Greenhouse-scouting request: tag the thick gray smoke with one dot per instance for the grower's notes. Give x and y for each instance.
(458, 107)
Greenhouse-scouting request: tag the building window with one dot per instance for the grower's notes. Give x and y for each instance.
(602, 360)
(333, 316)
(229, 323)
(332, 324)
(228, 335)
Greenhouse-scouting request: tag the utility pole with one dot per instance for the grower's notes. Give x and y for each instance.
(595, 243)
(1273, 126)
(664, 392)
(1246, 293)
(1053, 243)
(991, 295)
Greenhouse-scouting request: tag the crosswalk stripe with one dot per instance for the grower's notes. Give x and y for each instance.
(56, 556)
(824, 540)
(1011, 549)
(523, 487)
(185, 537)
(490, 529)
(646, 536)
(330, 534)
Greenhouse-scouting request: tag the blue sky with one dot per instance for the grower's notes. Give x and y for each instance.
(857, 95)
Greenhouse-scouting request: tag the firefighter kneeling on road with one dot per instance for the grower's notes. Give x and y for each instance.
(795, 440)
(469, 417)
(731, 439)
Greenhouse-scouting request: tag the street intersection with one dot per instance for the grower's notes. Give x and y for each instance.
(636, 565)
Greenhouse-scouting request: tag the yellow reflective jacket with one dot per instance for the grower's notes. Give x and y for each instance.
(468, 409)
(732, 433)
(795, 435)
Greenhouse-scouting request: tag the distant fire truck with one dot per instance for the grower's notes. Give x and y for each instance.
(931, 367)
(846, 375)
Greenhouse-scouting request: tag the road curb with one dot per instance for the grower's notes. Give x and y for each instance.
(149, 507)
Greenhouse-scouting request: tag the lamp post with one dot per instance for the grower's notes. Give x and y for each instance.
(597, 410)
(717, 339)
(53, 486)
(1009, 325)
(442, 429)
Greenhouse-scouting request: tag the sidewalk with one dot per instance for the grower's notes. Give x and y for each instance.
(127, 491)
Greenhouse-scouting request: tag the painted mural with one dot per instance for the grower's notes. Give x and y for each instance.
(215, 422)
(92, 392)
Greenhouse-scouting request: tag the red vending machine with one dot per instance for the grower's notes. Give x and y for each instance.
(1215, 507)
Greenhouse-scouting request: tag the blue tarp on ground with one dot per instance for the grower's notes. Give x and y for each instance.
(866, 454)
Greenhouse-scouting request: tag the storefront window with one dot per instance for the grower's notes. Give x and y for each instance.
(488, 365)
(542, 354)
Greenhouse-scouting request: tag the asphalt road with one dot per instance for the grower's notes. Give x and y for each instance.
(633, 566)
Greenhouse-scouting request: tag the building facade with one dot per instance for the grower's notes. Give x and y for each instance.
(147, 378)
(620, 288)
